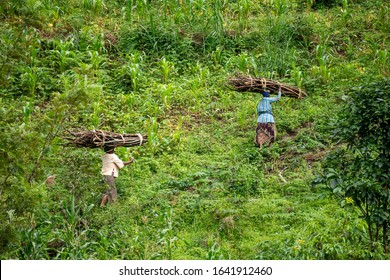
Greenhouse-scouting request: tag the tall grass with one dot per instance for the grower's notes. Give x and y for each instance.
(200, 188)
(94, 6)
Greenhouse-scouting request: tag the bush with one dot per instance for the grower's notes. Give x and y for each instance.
(360, 175)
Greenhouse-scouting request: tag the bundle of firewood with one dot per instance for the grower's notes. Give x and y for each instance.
(243, 83)
(101, 139)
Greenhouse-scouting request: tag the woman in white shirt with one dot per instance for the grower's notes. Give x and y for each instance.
(111, 164)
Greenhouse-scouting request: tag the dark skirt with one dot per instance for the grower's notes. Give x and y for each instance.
(265, 132)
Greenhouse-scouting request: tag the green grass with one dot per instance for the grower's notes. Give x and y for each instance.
(199, 189)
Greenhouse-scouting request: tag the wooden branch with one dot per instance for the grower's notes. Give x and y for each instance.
(243, 83)
(101, 139)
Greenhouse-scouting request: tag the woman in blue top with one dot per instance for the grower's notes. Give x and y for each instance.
(266, 129)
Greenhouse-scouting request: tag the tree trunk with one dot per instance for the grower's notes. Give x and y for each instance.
(385, 237)
(368, 220)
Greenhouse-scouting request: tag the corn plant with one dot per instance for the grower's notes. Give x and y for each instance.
(132, 100)
(242, 62)
(214, 252)
(96, 114)
(195, 12)
(63, 56)
(152, 107)
(217, 55)
(166, 93)
(277, 61)
(200, 80)
(34, 244)
(75, 218)
(94, 6)
(139, 246)
(78, 91)
(167, 236)
(245, 62)
(382, 60)
(143, 8)
(29, 78)
(281, 6)
(166, 67)
(130, 72)
(97, 44)
(297, 75)
(33, 238)
(243, 13)
(345, 14)
(324, 59)
(217, 18)
(202, 74)
(153, 140)
(27, 111)
(177, 134)
(96, 60)
(127, 11)
(89, 39)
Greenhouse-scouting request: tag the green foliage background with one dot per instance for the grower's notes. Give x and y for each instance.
(199, 189)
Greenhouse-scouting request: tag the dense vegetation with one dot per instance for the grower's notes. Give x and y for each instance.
(199, 189)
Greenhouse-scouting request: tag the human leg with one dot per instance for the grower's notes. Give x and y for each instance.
(272, 131)
(111, 194)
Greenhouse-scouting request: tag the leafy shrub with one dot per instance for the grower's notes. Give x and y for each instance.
(361, 175)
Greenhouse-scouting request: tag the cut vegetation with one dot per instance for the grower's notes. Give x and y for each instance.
(198, 188)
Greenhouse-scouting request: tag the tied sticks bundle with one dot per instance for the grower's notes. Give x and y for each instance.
(101, 139)
(249, 84)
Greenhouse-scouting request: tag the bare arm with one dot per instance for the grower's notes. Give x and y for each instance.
(128, 162)
(279, 94)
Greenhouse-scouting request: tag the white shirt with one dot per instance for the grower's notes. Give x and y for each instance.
(111, 164)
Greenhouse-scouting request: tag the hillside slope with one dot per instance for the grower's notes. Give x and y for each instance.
(199, 188)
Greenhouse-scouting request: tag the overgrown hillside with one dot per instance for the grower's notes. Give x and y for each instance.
(199, 188)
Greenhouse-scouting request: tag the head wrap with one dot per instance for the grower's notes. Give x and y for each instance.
(265, 93)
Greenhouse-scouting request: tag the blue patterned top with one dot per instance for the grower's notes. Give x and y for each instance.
(264, 109)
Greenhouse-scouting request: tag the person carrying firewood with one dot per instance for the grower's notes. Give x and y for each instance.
(111, 164)
(266, 128)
